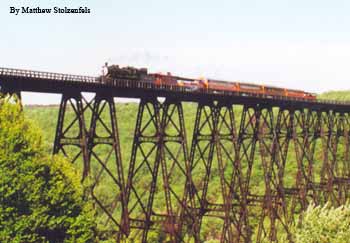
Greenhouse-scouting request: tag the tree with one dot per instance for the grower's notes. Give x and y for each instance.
(40, 195)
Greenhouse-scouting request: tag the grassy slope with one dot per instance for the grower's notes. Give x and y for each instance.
(336, 95)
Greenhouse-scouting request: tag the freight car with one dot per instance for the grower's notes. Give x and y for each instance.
(114, 72)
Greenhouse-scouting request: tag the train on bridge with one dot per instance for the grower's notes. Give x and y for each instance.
(114, 72)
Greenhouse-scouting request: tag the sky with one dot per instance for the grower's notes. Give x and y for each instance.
(295, 44)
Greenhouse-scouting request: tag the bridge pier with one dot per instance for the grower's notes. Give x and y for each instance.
(335, 132)
(213, 151)
(159, 147)
(225, 141)
(339, 166)
(72, 131)
(246, 148)
(330, 139)
(305, 133)
(346, 164)
(268, 150)
(284, 135)
(107, 167)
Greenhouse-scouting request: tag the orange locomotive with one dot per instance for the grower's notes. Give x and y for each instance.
(215, 86)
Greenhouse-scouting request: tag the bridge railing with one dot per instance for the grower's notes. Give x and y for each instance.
(126, 83)
(45, 75)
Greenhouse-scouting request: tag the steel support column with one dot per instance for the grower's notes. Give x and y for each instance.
(269, 149)
(71, 131)
(159, 146)
(329, 148)
(247, 141)
(107, 167)
(284, 135)
(225, 139)
(306, 131)
(339, 164)
(213, 154)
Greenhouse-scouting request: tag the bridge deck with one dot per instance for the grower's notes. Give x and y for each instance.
(14, 80)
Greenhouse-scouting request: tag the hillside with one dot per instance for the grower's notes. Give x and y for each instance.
(335, 95)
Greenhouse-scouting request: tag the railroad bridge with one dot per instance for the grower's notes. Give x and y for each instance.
(233, 135)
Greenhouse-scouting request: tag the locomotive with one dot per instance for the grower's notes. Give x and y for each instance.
(113, 72)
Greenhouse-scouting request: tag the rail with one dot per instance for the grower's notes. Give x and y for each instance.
(45, 75)
(126, 83)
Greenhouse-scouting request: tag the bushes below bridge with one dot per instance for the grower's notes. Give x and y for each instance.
(40, 195)
(324, 224)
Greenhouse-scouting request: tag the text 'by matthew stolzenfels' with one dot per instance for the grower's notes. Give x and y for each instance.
(53, 10)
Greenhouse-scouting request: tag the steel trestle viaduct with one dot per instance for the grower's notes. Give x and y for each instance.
(232, 135)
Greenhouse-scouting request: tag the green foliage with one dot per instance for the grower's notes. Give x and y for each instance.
(19, 139)
(40, 196)
(324, 225)
(212, 241)
(335, 95)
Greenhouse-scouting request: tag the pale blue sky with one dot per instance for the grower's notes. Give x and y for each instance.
(296, 44)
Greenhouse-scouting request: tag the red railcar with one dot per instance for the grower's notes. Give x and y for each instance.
(217, 86)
